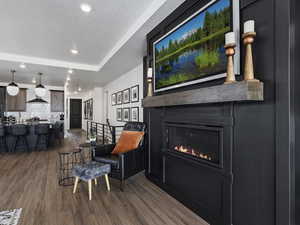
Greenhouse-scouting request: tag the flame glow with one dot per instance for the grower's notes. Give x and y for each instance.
(191, 151)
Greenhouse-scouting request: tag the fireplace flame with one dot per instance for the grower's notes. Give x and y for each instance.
(193, 152)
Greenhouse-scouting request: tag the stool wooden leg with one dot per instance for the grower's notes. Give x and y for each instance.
(90, 189)
(75, 184)
(107, 182)
(96, 181)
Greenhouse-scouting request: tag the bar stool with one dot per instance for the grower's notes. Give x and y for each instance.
(3, 146)
(19, 132)
(42, 131)
(56, 134)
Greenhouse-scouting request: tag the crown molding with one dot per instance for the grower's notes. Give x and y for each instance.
(149, 12)
(156, 5)
(47, 62)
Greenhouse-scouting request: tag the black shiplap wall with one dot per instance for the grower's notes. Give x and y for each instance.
(2, 101)
(254, 140)
(297, 112)
(263, 133)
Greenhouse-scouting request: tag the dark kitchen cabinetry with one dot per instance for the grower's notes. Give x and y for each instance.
(57, 101)
(2, 100)
(17, 103)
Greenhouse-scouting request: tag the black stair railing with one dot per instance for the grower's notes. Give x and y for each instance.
(105, 133)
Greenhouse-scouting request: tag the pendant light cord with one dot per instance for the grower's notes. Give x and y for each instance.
(40, 74)
(13, 75)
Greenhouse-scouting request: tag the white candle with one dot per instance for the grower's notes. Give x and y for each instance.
(230, 38)
(149, 72)
(249, 26)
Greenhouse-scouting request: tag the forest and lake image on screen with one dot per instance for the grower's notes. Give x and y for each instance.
(195, 49)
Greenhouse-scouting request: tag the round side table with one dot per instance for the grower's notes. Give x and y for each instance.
(66, 162)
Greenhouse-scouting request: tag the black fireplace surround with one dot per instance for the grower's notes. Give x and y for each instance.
(196, 149)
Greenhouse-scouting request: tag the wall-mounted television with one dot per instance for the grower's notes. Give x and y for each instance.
(193, 51)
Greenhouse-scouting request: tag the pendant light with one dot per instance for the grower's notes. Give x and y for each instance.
(40, 90)
(12, 88)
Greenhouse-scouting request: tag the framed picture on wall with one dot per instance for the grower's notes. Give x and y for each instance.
(119, 98)
(126, 114)
(119, 114)
(91, 113)
(113, 99)
(126, 96)
(134, 114)
(135, 93)
(85, 110)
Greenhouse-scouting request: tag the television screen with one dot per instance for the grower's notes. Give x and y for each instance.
(193, 51)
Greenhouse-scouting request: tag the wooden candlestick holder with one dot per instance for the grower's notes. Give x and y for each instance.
(230, 78)
(150, 92)
(248, 39)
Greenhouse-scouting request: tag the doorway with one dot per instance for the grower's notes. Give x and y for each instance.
(75, 113)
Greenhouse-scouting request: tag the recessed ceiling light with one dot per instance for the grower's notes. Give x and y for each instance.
(79, 89)
(85, 7)
(70, 71)
(68, 78)
(74, 51)
(22, 65)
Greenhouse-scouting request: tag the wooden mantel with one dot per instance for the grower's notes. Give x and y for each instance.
(235, 92)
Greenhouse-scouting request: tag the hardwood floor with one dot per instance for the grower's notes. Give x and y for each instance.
(29, 181)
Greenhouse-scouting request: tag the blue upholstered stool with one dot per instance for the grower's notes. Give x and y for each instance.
(91, 171)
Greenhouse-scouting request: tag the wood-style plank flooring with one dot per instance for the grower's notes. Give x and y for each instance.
(29, 181)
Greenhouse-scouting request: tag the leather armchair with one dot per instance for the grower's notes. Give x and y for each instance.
(127, 164)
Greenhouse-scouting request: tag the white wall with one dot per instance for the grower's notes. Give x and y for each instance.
(127, 80)
(43, 111)
(97, 95)
(102, 108)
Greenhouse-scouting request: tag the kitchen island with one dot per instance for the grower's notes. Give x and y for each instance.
(55, 135)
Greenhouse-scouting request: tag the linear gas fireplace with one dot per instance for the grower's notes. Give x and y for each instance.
(203, 143)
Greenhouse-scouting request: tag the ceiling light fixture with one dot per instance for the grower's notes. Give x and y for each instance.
(70, 71)
(12, 88)
(79, 89)
(23, 66)
(40, 90)
(85, 7)
(68, 78)
(75, 92)
(74, 51)
(33, 80)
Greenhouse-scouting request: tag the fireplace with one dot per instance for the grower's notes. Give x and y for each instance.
(198, 142)
(196, 162)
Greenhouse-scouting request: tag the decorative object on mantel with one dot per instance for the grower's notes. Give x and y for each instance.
(149, 79)
(230, 46)
(248, 39)
(12, 88)
(235, 92)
